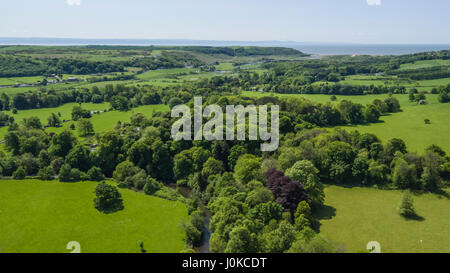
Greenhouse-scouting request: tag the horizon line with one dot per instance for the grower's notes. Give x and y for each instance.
(223, 41)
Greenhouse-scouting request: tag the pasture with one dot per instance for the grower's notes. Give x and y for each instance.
(101, 122)
(408, 125)
(356, 216)
(108, 120)
(424, 64)
(43, 216)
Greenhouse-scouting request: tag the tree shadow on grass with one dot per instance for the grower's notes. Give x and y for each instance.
(414, 217)
(367, 124)
(442, 193)
(324, 213)
(112, 209)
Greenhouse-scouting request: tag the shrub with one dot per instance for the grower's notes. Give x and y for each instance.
(56, 164)
(405, 175)
(435, 149)
(108, 198)
(95, 174)
(77, 175)
(19, 174)
(64, 173)
(85, 127)
(151, 186)
(193, 235)
(124, 170)
(138, 181)
(174, 102)
(406, 206)
(67, 174)
(46, 173)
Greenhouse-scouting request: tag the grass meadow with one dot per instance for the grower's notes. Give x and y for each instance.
(44, 113)
(108, 120)
(43, 216)
(424, 64)
(101, 122)
(408, 125)
(356, 216)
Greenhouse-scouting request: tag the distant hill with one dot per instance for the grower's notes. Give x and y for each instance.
(229, 48)
(238, 51)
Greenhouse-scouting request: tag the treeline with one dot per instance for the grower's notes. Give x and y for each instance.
(212, 50)
(18, 66)
(444, 93)
(429, 73)
(334, 89)
(271, 84)
(111, 78)
(297, 114)
(422, 56)
(332, 68)
(121, 97)
(239, 51)
(432, 75)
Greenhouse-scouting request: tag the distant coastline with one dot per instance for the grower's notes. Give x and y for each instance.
(306, 47)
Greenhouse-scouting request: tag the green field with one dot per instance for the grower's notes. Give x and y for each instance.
(375, 80)
(225, 67)
(424, 85)
(44, 113)
(424, 64)
(101, 122)
(16, 90)
(38, 216)
(174, 76)
(356, 216)
(65, 110)
(20, 80)
(165, 73)
(408, 125)
(432, 83)
(107, 121)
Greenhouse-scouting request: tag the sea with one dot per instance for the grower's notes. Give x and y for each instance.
(306, 47)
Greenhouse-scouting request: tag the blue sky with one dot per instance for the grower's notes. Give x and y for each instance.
(354, 21)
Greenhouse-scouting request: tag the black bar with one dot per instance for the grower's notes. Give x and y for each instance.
(223, 262)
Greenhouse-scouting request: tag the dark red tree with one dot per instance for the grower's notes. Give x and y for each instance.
(286, 191)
